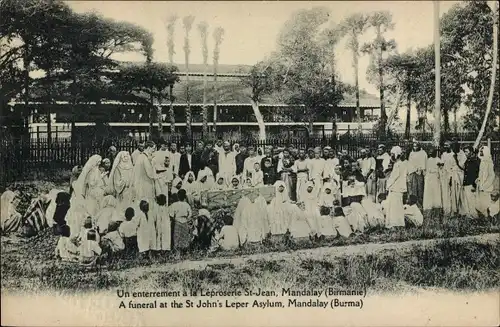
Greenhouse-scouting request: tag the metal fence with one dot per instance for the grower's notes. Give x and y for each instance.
(22, 158)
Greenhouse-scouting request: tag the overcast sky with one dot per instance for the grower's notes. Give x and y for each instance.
(251, 28)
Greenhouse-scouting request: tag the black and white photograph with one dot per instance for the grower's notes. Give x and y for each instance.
(249, 163)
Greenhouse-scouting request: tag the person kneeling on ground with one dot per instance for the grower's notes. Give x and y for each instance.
(227, 238)
(203, 231)
(112, 242)
(128, 231)
(66, 249)
(89, 248)
(413, 215)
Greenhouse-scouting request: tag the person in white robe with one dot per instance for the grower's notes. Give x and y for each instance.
(451, 184)
(162, 163)
(384, 161)
(311, 208)
(376, 217)
(327, 195)
(175, 158)
(396, 184)
(494, 207)
(317, 166)
(146, 232)
(145, 176)
(340, 222)
(302, 168)
(432, 184)
(189, 185)
(90, 185)
(413, 215)
(120, 179)
(220, 183)
(177, 184)
(486, 180)
(51, 208)
(368, 164)
(279, 210)
(248, 165)
(137, 152)
(235, 183)
(201, 185)
(417, 161)
(107, 214)
(257, 175)
(11, 219)
(161, 218)
(357, 217)
(227, 162)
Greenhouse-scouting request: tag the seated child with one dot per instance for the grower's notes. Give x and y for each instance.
(235, 183)
(89, 248)
(112, 241)
(66, 250)
(340, 222)
(413, 216)
(128, 230)
(61, 209)
(228, 238)
(248, 183)
(383, 202)
(87, 226)
(257, 176)
(358, 217)
(204, 230)
(494, 207)
(220, 183)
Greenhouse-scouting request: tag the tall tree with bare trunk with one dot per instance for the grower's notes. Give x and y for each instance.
(493, 73)
(353, 27)
(203, 29)
(218, 37)
(188, 24)
(171, 20)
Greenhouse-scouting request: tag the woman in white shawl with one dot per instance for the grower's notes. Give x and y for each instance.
(120, 178)
(177, 184)
(309, 199)
(396, 184)
(90, 185)
(11, 219)
(485, 181)
(51, 209)
(327, 195)
(189, 184)
(220, 183)
(107, 214)
(201, 185)
(279, 210)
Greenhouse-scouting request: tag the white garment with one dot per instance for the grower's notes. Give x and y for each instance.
(175, 161)
(228, 238)
(227, 165)
(417, 161)
(413, 214)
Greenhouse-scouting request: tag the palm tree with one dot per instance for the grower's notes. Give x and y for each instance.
(171, 20)
(203, 28)
(218, 35)
(188, 24)
(353, 27)
(381, 21)
(494, 64)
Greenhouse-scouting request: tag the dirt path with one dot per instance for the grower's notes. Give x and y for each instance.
(323, 252)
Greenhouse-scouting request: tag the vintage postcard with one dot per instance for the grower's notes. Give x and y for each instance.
(249, 163)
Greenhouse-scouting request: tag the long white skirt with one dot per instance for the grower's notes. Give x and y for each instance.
(395, 216)
(469, 202)
(432, 192)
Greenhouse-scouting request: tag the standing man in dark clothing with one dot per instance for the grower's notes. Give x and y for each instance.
(471, 173)
(186, 160)
(240, 159)
(268, 154)
(210, 158)
(197, 163)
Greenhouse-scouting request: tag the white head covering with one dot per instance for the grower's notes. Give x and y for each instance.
(79, 186)
(186, 178)
(309, 196)
(123, 161)
(283, 195)
(231, 181)
(204, 212)
(486, 156)
(234, 147)
(176, 181)
(6, 205)
(396, 150)
(109, 201)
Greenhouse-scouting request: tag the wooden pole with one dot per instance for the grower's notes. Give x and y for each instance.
(437, 54)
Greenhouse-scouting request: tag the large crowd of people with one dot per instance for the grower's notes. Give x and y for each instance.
(152, 200)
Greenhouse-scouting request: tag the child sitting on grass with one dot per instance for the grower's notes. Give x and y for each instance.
(340, 222)
(112, 242)
(203, 231)
(128, 231)
(87, 226)
(89, 248)
(66, 250)
(383, 202)
(494, 207)
(227, 238)
(413, 216)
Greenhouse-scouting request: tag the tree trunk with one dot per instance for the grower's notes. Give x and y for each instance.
(455, 122)
(216, 96)
(396, 108)
(494, 64)
(408, 119)
(204, 110)
(152, 113)
(171, 112)
(437, 65)
(356, 85)
(188, 102)
(159, 114)
(383, 114)
(260, 120)
(49, 122)
(446, 121)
